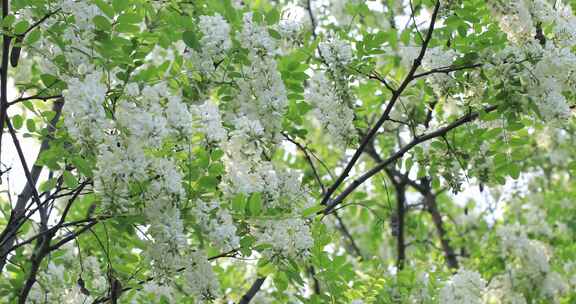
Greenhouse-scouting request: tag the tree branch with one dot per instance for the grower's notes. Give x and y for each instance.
(431, 207)
(308, 159)
(17, 215)
(448, 69)
(4, 74)
(247, 297)
(395, 96)
(399, 153)
(354, 249)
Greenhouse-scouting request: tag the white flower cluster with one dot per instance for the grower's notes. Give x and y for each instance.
(289, 29)
(438, 57)
(215, 42)
(514, 18)
(256, 123)
(83, 13)
(123, 135)
(58, 282)
(167, 241)
(126, 175)
(209, 121)
(532, 254)
(262, 94)
(336, 52)
(160, 55)
(86, 118)
(218, 224)
(200, 279)
(553, 74)
(465, 287)
(287, 238)
(78, 36)
(155, 290)
(279, 188)
(256, 38)
(215, 39)
(551, 70)
(529, 266)
(332, 112)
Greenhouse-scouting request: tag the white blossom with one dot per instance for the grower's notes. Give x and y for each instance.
(287, 237)
(217, 222)
(256, 38)
(262, 94)
(465, 287)
(215, 39)
(289, 29)
(336, 51)
(178, 115)
(553, 286)
(332, 112)
(515, 19)
(531, 253)
(86, 118)
(83, 13)
(210, 121)
(200, 280)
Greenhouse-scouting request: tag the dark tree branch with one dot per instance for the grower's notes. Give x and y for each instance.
(104, 299)
(43, 248)
(311, 16)
(4, 74)
(399, 153)
(429, 203)
(308, 159)
(17, 217)
(353, 247)
(449, 69)
(395, 96)
(316, 285)
(398, 220)
(35, 97)
(247, 297)
(432, 207)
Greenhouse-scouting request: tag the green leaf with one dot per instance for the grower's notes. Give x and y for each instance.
(33, 37)
(21, 27)
(216, 154)
(515, 126)
(208, 182)
(82, 165)
(120, 5)
(239, 203)
(8, 21)
(48, 80)
(514, 171)
(105, 7)
(272, 17)
(463, 30)
(102, 23)
(69, 180)
(255, 204)
(31, 125)
(312, 210)
(17, 121)
(274, 34)
(47, 185)
(191, 39)
(127, 28)
(129, 18)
